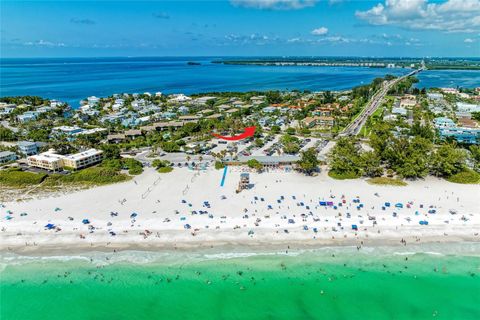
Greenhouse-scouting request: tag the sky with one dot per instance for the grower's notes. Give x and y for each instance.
(380, 28)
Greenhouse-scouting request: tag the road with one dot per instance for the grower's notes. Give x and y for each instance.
(355, 126)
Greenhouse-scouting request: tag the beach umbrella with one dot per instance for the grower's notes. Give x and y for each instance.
(133, 215)
(50, 226)
(187, 226)
(354, 227)
(9, 217)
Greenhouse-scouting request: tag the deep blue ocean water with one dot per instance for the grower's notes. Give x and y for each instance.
(72, 79)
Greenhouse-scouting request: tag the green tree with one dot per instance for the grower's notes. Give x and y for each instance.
(6, 134)
(308, 161)
(344, 159)
(273, 97)
(110, 151)
(290, 144)
(290, 131)
(371, 164)
(275, 129)
(259, 142)
(254, 164)
(475, 153)
(409, 158)
(448, 160)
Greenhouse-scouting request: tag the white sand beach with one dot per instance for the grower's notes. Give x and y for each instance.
(188, 208)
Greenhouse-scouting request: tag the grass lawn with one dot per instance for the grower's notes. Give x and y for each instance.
(466, 177)
(386, 181)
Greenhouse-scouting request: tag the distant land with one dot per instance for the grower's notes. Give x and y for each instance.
(429, 63)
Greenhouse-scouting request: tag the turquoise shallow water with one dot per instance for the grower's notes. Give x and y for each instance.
(387, 283)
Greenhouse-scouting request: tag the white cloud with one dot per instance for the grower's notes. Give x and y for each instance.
(320, 31)
(468, 40)
(448, 16)
(274, 4)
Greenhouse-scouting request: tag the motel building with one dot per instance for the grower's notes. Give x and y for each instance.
(54, 162)
(268, 162)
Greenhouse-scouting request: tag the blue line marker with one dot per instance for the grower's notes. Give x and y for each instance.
(224, 175)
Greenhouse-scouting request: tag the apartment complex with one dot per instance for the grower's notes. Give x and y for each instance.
(52, 161)
(7, 156)
(83, 159)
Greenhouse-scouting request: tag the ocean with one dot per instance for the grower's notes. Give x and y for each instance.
(437, 281)
(73, 79)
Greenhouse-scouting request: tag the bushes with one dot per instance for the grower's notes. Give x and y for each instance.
(467, 176)
(219, 165)
(134, 167)
(93, 175)
(165, 169)
(387, 181)
(343, 175)
(170, 146)
(18, 178)
(162, 166)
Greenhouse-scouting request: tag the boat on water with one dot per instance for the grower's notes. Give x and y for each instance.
(193, 63)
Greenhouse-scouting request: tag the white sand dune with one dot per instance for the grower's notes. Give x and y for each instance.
(157, 201)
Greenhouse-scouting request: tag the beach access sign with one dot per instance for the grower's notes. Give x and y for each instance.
(247, 132)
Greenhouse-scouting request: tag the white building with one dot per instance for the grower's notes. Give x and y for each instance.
(52, 161)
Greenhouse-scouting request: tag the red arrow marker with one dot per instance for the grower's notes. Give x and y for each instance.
(248, 132)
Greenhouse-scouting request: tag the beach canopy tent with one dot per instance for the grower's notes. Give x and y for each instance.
(423, 222)
(387, 204)
(187, 226)
(85, 221)
(354, 227)
(399, 205)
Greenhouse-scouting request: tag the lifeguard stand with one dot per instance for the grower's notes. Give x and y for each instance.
(244, 182)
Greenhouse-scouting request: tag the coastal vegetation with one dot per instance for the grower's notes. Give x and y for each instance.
(387, 181)
(14, 177)
(94, 176)
(162, 166)
(467, 176)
